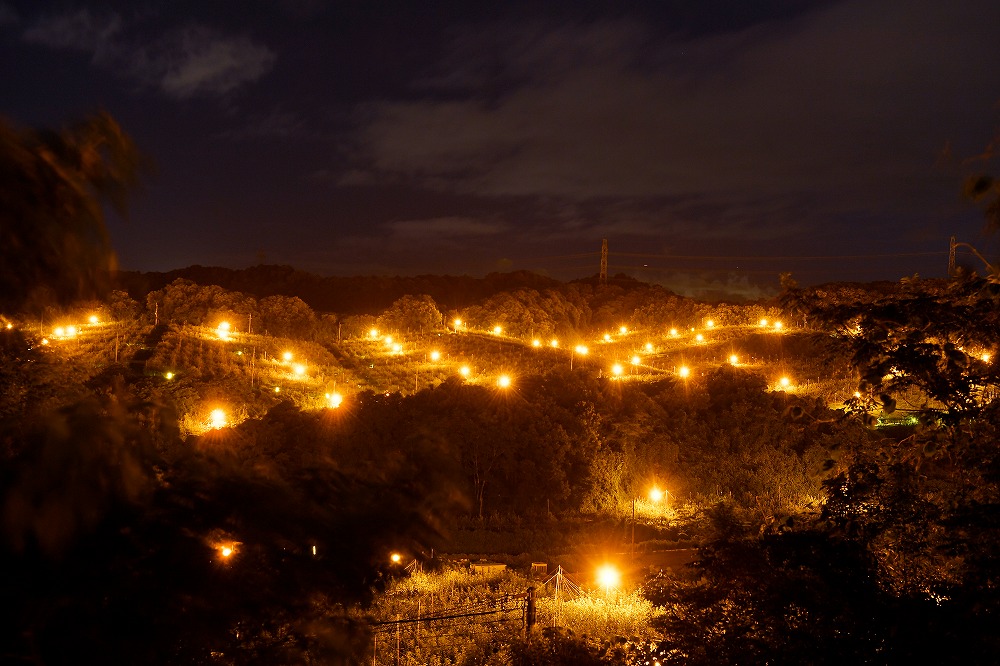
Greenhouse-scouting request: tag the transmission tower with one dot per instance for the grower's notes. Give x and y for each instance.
(604, 261)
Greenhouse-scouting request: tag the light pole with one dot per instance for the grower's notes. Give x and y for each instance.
(579, 349)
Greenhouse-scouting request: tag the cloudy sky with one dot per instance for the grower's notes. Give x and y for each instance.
(714, 143)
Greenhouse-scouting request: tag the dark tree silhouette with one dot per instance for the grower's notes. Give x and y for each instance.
(56, 184)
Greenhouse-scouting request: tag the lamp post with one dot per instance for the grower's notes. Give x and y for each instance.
(655, 495)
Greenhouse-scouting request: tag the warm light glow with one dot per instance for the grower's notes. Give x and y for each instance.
(59, 332)
(684, 371)
(45, 341)
(778, 325)
(435, 355)
(217, 419)
(458, 323)
(608, 577)
(287, 356)
(699, 337)
(554, 344)
(581, 350)
(223, 330)
(785, 382)
(710, 324)
(503, 381)
(373, 333)
(169, 375)
(623, 330)
(536, 343)
(299, 369)
(93, 319)
(636, 360)
(985, 357)
(617, 369)
(397, 348)
(649, 346)
(857, 394)
(277, 389)
(226, 551)
(464, 371)
(763, 322)
(395, 558)
(497, 330)
(607, 337)
(673, 332)
(733, 359)
(656, 495)
(335, 399)
(388, 340)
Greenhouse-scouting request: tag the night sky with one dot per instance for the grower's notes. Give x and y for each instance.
(714, 144)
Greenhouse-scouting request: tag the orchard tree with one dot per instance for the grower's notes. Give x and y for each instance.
(411, 313)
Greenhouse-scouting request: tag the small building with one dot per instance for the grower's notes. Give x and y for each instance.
(484, 567)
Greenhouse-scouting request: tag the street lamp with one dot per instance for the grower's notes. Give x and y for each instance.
(579, 349)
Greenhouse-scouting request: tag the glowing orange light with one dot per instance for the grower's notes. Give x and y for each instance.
(785, 382)
(684, 371)
(554, 344)
(608, 577)
(617, 369)
(607, 337)
(395, 558)
(636, 360)
(299, 369)
(169, 375)
(93, 319)
(217, 419)
(710, 324)
(226, 551)
(649, 346)
(458, 323)
(699, 337)
(778, 325)
(733, 359)
(503, 381)
(763, 323)
(656, 494)
(223, 330)
(287, 356)
(464, 371)
(335, 399)
(623, 330)
(581, 350)
(536, 343)
(673, 332)
(497, 330)
(435, 355)
(373, 333)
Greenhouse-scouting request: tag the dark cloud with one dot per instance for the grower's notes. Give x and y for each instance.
(189, 61)
(841, 107)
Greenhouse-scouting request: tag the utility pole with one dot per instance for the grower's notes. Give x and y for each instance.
(604, 261)
(951, 257)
